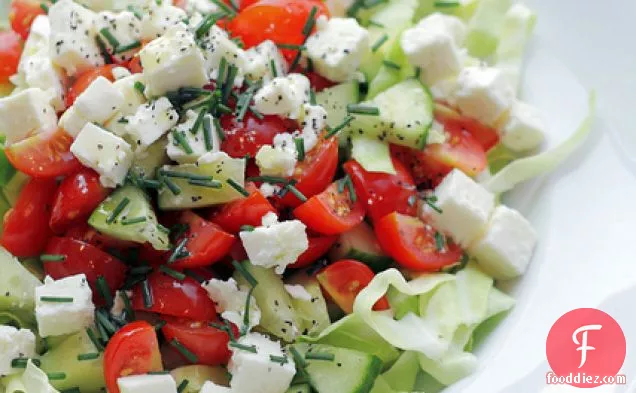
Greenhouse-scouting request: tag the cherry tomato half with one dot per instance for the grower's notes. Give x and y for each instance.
(10, 52)
(133, 350)
(486, 136)
(249, 135)
(318, 246)
(245, 211)
(84, 79)
(22, 14)
(343, 280)
(412, 243)
(208, 343)
(26, 226)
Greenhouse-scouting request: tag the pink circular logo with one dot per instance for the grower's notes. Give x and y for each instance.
(585, 347)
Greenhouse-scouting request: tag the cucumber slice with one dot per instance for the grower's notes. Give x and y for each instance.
(312, 315)
(485, 27)
(350, 372)
(138, 206)
(218, 165)
(87, 375)
(361, 244)
(277, 313)
(17, 284)
(372, 155)
(12, 189)
(301, 388)
(197, 375)
(154, 156)
(335, 100)
(397, 122)
(394, 68)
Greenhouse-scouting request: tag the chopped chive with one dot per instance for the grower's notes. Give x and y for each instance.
(58, 376)
(278, 359)
(160, 325)
(172, 273)
(295, 62)
(296, 192)
(178, 251)
(246, 315)
(391, 64)
(163, 229)
(179, 229)
(103, 51)
(204, 26)
(221, 75)
(171, 186)
(52, 257)
(207, 133)
(362, 109)
(256, 113)
(272, 65)
(352, 191)
(127, 47)
(224, 7)
(140, 270)
(247, 228)
(104, 290)
(354, 8)
(56, 299)
(248, 348)
(268, 179)
(91, 335)
(379, 42)
(103, 320)
(122, 120)
(320, 356)
(219, 129)
(239, 188)
(135, 12)
(298, 358)
(412, 200)
(184, 351)
(291, 46)
(440, 243)
(140, 87)
(300, 148)
(130, 313)
(132, 221)
(311, 21)
(246, 274)
(182, 141)
(246, 99)
(44, 7)
(418, 72)
(430, 201)
(109, 37)
(206, 183)
(182, 386)
(223, 108)
(229, 82)
(376, 24)
(161, 372)
(446, 4)
(22, 362)
(194, 275)
(118, 209)
(333, 131)
(147, 295)
(184, 175)
(88, 356)
(342, 183)
(310, 65)
(198, 122)
(312, 97)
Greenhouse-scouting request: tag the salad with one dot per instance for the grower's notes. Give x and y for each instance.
(273, 196)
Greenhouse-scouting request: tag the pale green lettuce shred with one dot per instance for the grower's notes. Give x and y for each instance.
(372, 154)
(32, 380)
(403, 373)
(484, 28)
(530, 167)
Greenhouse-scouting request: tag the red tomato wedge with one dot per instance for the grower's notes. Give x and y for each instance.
(249, 135)
(486, 136)
(412, 243)
(245, 211)
(318, 246)
(84, 79)
(384, 193)
(133, 350)
(44, 155)
(207, 343)
(86, 233)
(281, 21)
(22, 14)
(75, 199)
(180, 298)
(331, 212)
(315, 172)
(10, 52)
(81, 257)
(432, 164)
(343, 280)
(26, 226)
(206, 242)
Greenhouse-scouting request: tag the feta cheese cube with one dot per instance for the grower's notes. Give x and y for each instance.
(56, 317)
(158, 19)
(133, 99)
(230, 301)
(259, 60)
(26, 113)
(120, 73)
(195, 141)
(275, 244)
(124, 27)
(269, 190)
(450, 24)
(276, 162)
(483, 93)
(255, 372)
(313, 120)
(337, 47)
(106, 153)
(100, 101)
(465, 207)
(73, 44)
(504, 251)
(147, 383)
(150, 122)
(523, 129)
(119, 305)
(215, 45)
(283, 96)
(171, 62)
(14, 343)
(72, 121)
(211, 387)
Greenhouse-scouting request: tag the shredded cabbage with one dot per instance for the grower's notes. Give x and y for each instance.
(372, 154)
(527, 168)
(484, 28)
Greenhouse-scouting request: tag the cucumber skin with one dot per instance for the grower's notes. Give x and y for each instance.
(377, 263)
(303, 388)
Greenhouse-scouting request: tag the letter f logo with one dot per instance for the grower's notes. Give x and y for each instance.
(583, 343)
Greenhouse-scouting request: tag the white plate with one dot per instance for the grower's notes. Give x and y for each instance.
(585, 212)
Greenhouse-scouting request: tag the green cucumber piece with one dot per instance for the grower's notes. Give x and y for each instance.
(154, 156)
(485, 26)
(372, 155)
(87, 375)
(197, 375)
(394, 68)
(12, 189)
(335, 100)
(300, 388)
(312, 315)
(220, 167)
(406, 114)
(277, 312)
(138, 206)
(17, 284)
(350, 371)
(361, 244)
